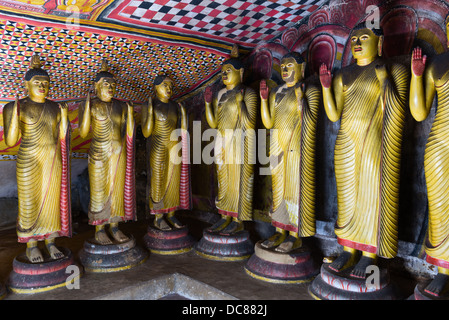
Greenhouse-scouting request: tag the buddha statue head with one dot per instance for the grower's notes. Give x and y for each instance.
(366, 43)
(37, 81)
(105, 84)
(163, 87)
(292, 68)
(232, 70)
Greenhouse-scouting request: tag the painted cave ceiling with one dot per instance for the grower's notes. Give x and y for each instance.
(186, 39)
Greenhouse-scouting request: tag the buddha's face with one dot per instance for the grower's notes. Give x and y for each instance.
(364, 44)
(38, 87)
(164, 90)
(291, 70)
(106, 88)
(230, 75)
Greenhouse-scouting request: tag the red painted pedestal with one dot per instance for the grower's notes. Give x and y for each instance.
(225, 247)
(331, 285)
(268, 265)
(28, 278)
(169, 242)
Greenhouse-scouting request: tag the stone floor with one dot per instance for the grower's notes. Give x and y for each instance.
(181, 277)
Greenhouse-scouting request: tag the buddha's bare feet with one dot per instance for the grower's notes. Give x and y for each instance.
(34, 255)
(437, 285)
(274, 240)
(344, 260)
(118, 235)
(174, 222)
(161, 224)
(220, 224)
(233, 227)
(102, 238)
(54, 251)
(359, 270)
(291, 243)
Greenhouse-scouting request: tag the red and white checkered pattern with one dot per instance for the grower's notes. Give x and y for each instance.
(238, 20)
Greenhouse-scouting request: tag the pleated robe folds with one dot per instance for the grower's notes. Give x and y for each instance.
(292, 156)
(367, 159)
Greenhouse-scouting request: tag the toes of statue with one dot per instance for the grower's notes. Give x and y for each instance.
(161, 224)
(437, 285)
(219, 225)
(102, 238)
(174, 222)
(338, 264)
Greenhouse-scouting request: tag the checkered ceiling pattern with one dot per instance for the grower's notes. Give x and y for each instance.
(233, 20)
(187, 39)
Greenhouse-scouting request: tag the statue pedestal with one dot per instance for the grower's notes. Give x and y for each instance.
(268, 265)
(28, 278)
(2, 291)
(111, 258)
(225, 247)
(169, 242)
(421, 294)
(331, 285)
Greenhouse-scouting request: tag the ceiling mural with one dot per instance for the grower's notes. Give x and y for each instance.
(240, 21)
(188, 39)
(140, 39)
(73, 57)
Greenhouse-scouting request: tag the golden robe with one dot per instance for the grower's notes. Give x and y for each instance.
(436, 165)
(169, 170)
(292, 146)
(111, 164)
(235, 152)
(367, 159)
(43, 172)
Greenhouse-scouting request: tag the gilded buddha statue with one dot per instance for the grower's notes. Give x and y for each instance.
(291, 111)
(233, 111)
(425, 83)
(160, 120)
(111, 158)
(43, 169)
(369, 99)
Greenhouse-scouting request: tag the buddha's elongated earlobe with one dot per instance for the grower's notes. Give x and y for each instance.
(380, 46)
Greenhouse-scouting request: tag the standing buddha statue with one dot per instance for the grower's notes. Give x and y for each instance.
(111, 158)
(169, 183)
(369, 99)
(43, 169)
(233, 111)
(292, 113)
(425, 83)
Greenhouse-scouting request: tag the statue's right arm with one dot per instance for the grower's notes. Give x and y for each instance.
(211, 108)
(147, 119)
(332, 93)
(422, 87)
(84, 117)
(11, 115)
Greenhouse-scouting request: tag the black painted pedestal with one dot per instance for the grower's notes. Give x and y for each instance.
(2, 291)
(111, 258)
(331, 285)
(225, 247)
(171, 242)
(29, 278)
(268, 265)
